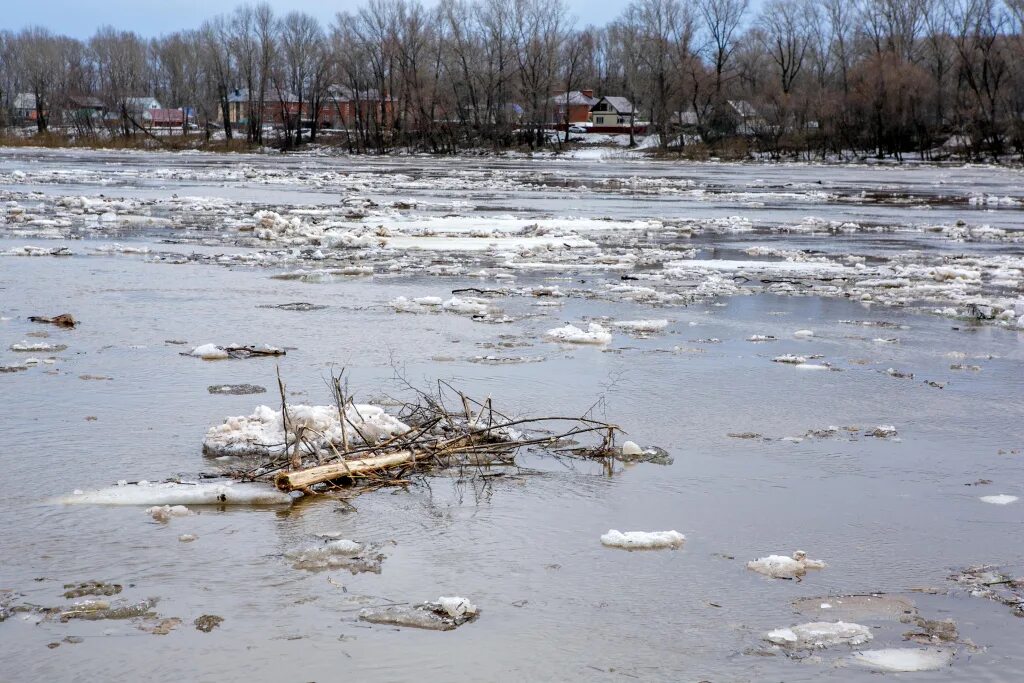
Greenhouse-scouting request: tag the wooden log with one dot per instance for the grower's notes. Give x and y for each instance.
(300, 479)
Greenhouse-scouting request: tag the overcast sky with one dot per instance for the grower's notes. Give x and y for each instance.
(151, 18)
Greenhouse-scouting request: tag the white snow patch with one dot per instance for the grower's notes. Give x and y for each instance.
(455, 606)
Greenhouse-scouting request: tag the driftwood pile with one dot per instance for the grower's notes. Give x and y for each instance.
(446, 428)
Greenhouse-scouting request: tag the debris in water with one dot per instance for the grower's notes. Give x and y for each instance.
(62, 320)
(215, 352)
(207, 622)
(236, 389)
(782, 567)
(642, 540)
(819, 634)
(444, 615)
(883, 432)
(78, 590)
(899, 659)
(933, 631)
(650, 454)
(94, 610)
(296, 306)
(160, 628)
(986, 581)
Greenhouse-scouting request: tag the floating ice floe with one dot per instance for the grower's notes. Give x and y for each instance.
(641, 325)
(37, 347)
(819, 634)
(444, 615)
(642, 540)
(570, 334)
(631, 448)
(420, 304)
(883, 432)
(803, 334)
(262, 433)
(903, 659)
(209, 352)
(999, 499)
(790, 359)
(782, 567)
(760, 338)
(164, 513)
(173, 494)
(337, 554)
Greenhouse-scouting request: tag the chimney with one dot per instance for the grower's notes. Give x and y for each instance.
(587, 93)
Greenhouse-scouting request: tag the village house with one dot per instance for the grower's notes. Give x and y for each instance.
(345, 107)
(278, 106)
(24, 105)
(572, 108)
(612, 115)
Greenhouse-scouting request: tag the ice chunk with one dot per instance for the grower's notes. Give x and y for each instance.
(262, 433)
(187, 538)
(446, 614)
(782, 567)
(642, 540)
(803, 334)
(456, 607)
(819, 634)
(1000, 499)
(631, 448)
(209, 352)
(164, 513)
(903, 659)
(145, 493)
(789, 358)
(570, 334)
(339, 553)
(641, 325)
(883, 432)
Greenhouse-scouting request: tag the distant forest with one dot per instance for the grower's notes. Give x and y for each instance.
(814, 78)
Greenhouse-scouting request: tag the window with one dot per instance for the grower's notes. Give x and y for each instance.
(621, 120)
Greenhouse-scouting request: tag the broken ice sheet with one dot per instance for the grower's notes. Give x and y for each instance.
(903, 659)
(338, 554)
(642, 540)
(446, 614)
(782, 567)
(819, 634)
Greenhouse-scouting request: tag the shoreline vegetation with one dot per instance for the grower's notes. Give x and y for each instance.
(728, 79)
(328, 146)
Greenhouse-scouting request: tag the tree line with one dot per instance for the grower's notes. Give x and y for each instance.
(808, 77)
